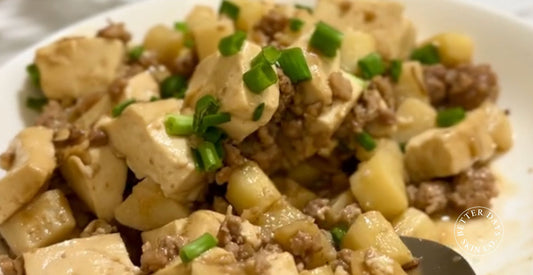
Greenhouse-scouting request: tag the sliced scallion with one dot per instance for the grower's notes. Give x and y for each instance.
(215, 119)
(269, 55)
(181, 26)
(206, 105)
(35, 76)
(304, 7)
(366, 141)
(338, 234)
(292, 62)
(178, 125)
(258, 112)
(260, 77)
(195, 248)
(119, 108)
(210, 158)
(213, 134)
(36, 103)
(136, 52)
(232, 44)
(197, 160)
(174, 86)
(371, 65)
(427, 54)
(396, 70)
(450, 117)
(295, 24)
(229, 9)
(326, 39)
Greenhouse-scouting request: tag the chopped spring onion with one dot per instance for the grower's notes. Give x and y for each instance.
(258, 112)
(136, 53)
(304, 7)
(292, 62)
(371, 65)
(210, 158)
(366, 141)
(326, 39)
(178, 125)
(296, 24)
(232, 44)
(402, 146)
(260, 77)
(396, 69)
(195, 248)
(338, 234)
(229, 9)
(206, 105)
(154, 98)
(197, 160)
(215, 119)
(36, 103)
(427, 54)
(35, 76)
(214, 134)
(174, 86)
(220, 149)
(189, 42)
(269, 55)
(181, 26)
(450, 117)
(119, 108)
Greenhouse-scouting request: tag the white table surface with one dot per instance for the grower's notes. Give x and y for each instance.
(24, 22)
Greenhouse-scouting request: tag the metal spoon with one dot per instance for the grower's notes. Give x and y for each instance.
(436, 259)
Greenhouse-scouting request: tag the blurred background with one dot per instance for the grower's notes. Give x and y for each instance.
(24, 22)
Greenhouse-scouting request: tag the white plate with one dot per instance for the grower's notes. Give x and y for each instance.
(501, 41)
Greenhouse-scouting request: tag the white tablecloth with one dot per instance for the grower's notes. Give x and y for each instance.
(23, 22)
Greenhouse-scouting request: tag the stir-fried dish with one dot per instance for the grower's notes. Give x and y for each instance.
(261, 138)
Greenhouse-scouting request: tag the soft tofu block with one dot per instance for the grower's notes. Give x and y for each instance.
(32, 156)
(214, 261)
(372, 230)
(221, 77)
(78, 66)
(98, 178)
(280, 263)
(411, 84)
(172, 228)
(147, 208)
(141, 87)
(46, 220)
(139, 135)
(98, 255)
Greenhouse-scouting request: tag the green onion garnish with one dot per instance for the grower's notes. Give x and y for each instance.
(174, 86)
(213, 134)
(296, 24)
(338, 234)
(229, 9)
(450, 117)
(206, 105)
(232, 44)
(220, 149)
(304, 7)
(326, 39)
(197, 160)
(154, 98)
(258, 112)
(119, 108)
(396, 69)
(189, 42)
(371, 65)
(210, 158)
(260, 77)
(36, 103)
(292, 62)
(178, 125)
(195, 248)
(181, 26)
(136, 53)
(215, 119)
(366, 141)
(428, 54)
(268, 55)
(35, 76)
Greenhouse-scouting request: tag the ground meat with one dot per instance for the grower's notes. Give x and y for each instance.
(98, 227)
(349, 213)
(341, 87)
(384, 86)
(53, 116)
(230, 238)
(431, 196)
(97, 137)
(7, 158)
(304, 245)
(10, 266)
(317, 208)
(344, 260)
(185, 64)
(467, 85)
(474, 187)
(157, 256)
(378, 264)
(269, 25)
(115, 31)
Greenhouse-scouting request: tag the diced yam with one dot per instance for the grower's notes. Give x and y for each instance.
(413, 117)
(32, 162)
(370, 261)
(222, 77)
(384, 20)
(454, 48)
(448, 151)
(165, 42)
(411, 83)
(415, 223)
(201, 15)
(295, 194)
(249, 187)
(323, 270)
(355, 45)
(78, 66)
(207, 36)
(98, 178)
(378, 184)
(214, 261)
(202, 221)
(139, 135)
(250, 12)
(172, 228)
(281, 213)
(46, 220)
(147, 208)
(372, 230)
(141, 87)
(102, 254)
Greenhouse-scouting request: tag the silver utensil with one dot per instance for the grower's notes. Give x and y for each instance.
(436, 259)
